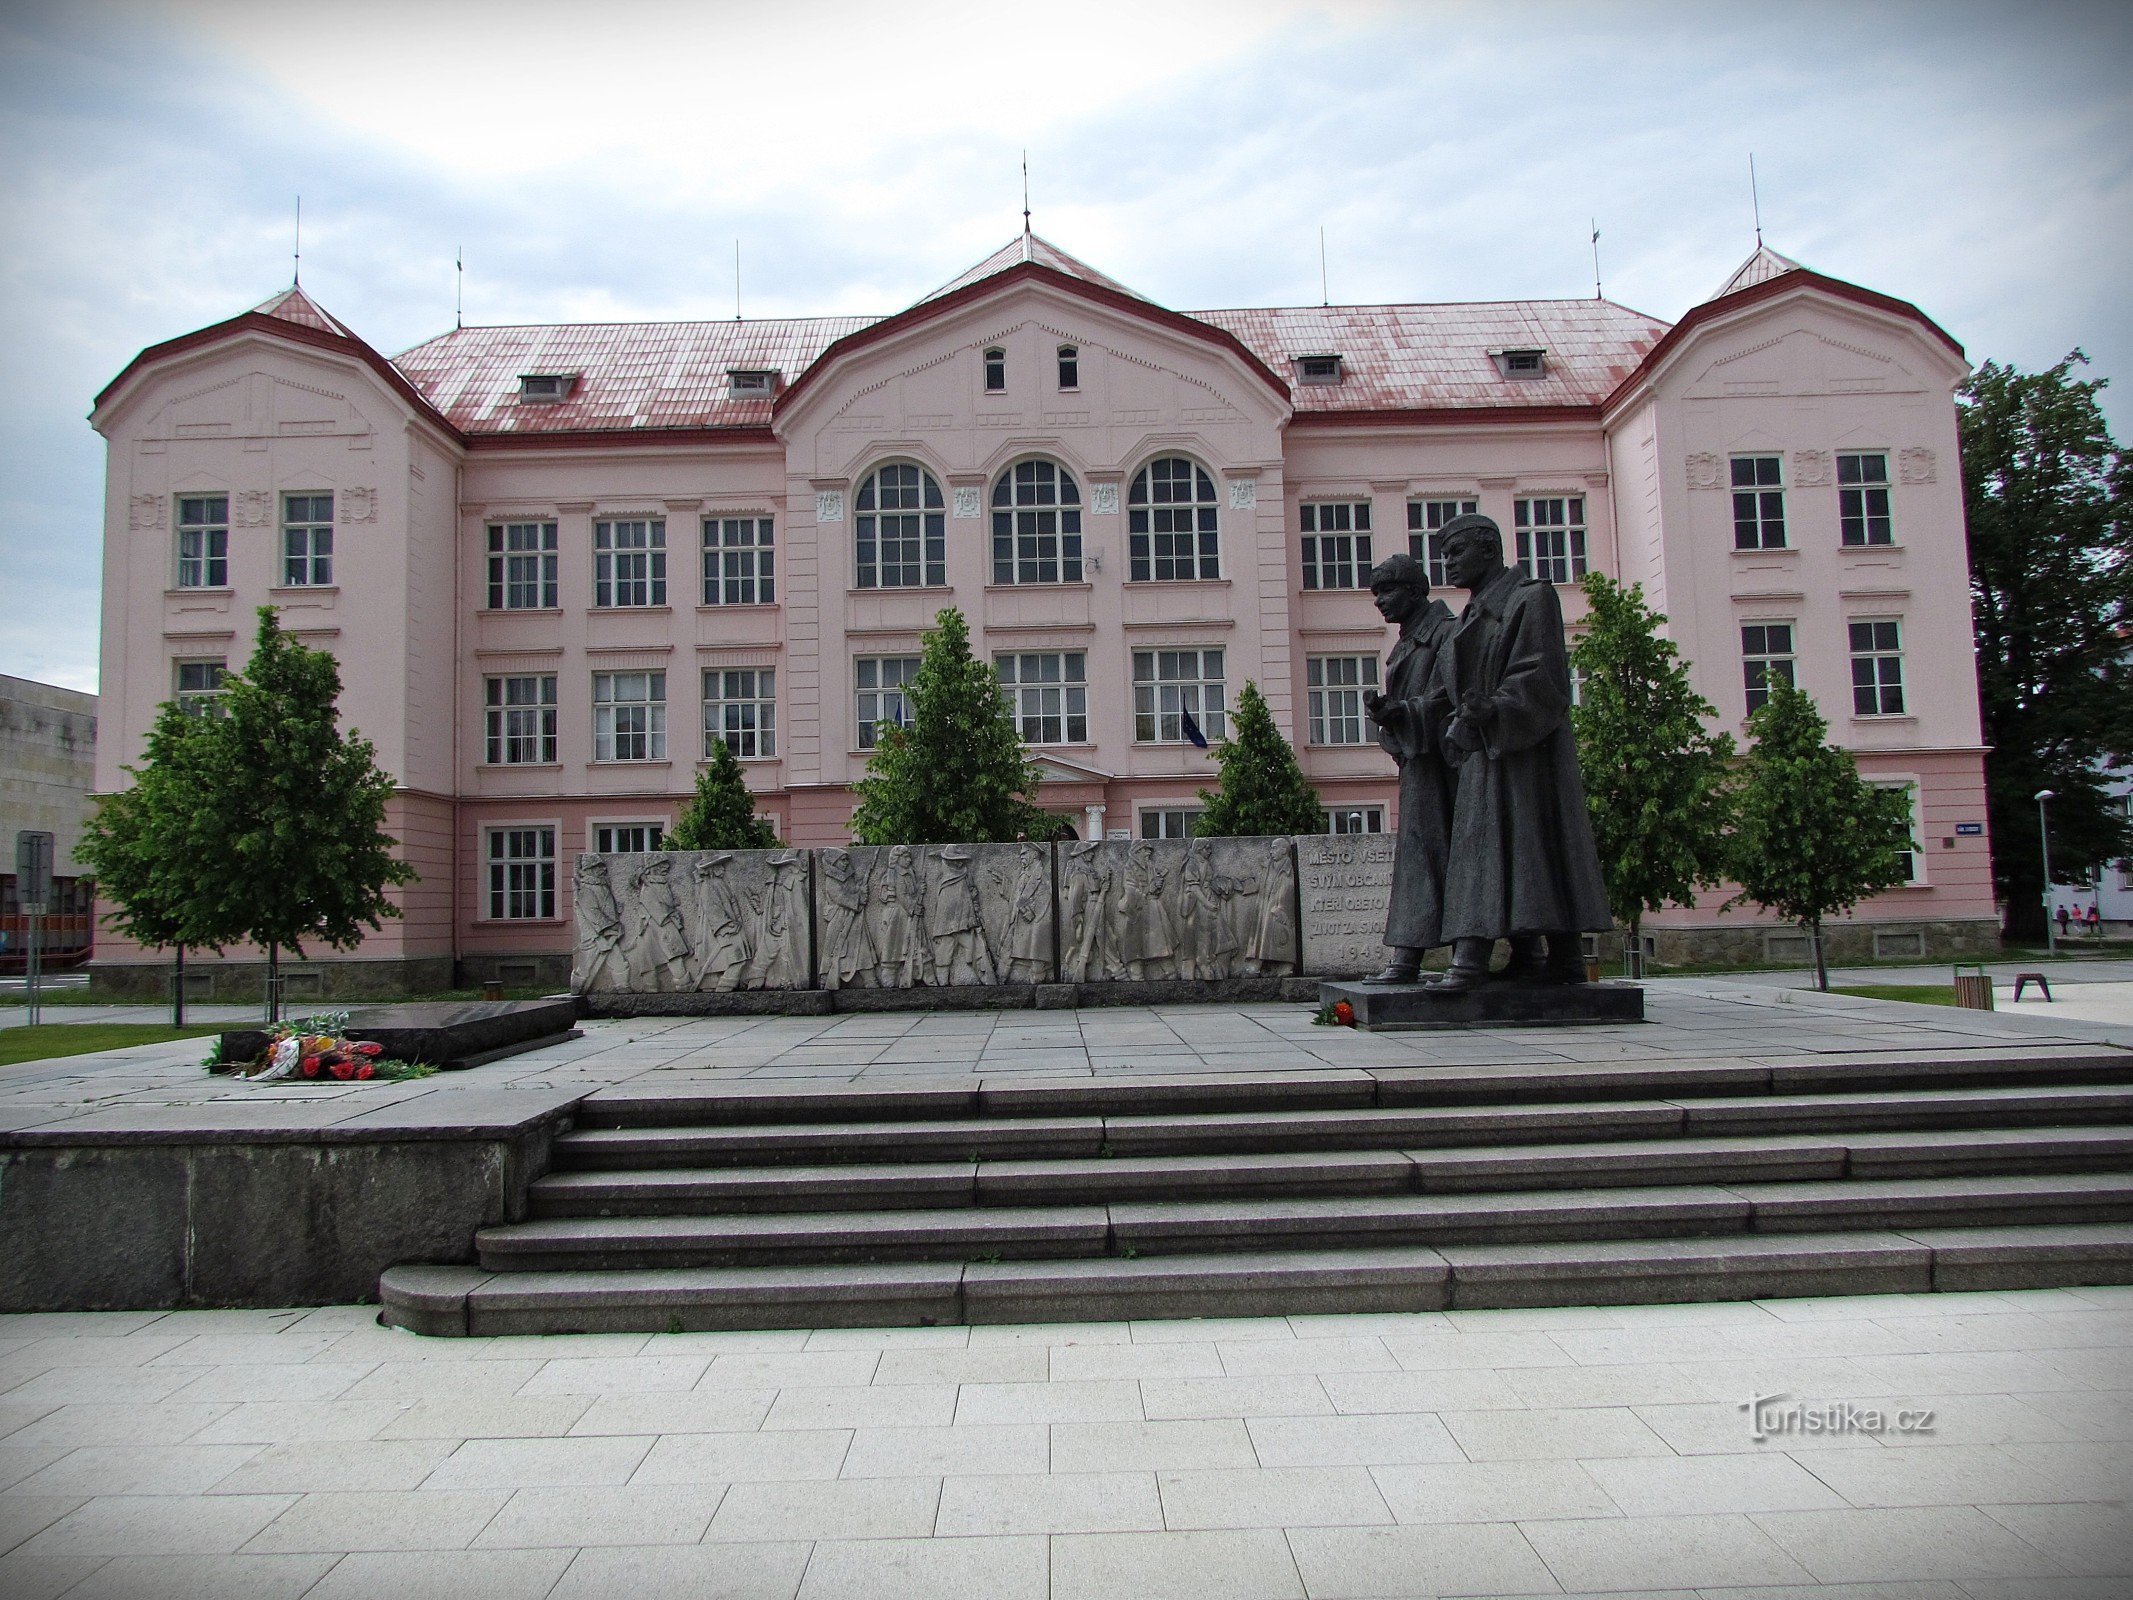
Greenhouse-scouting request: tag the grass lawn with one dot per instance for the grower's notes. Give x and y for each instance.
(49, 1040)
(1925, 994)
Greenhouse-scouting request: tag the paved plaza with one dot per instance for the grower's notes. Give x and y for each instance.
(1936, 1447)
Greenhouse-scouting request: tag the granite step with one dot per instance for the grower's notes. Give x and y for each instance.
(683, 1191)
(471, 1301)
(1418, 1127)
(1315, 1223)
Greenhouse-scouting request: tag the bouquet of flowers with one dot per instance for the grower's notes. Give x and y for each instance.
(315, 1048)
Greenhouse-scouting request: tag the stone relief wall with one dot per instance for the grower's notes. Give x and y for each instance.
(693, 920)
(1346, 883)
(930, 916)
(933, 916)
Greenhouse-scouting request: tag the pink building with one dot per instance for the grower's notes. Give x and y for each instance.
(555, 560)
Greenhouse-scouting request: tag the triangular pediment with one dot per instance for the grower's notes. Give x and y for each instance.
(1039, 252)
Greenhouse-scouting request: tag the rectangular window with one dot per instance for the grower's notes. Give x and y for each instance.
(1758, 503)
(521, 874)
(630, 563)
(1336, 545)
(741, 709)
(1425, 537)
(1877, 668)
(306, 540)
(198, 687)
(1168, 686)
(1050, 696)
(1355, 819)
(1766, 657)
(1914, 858)
(737, 562)
(1551, 537)
(204, 541)
(522, 566)
(880, 683)
(629, 716)
(1863, 499)
(628, 838)
(1171, 824)
(1069, 367)
(520, 715)
(1337, 685)
(995, 371)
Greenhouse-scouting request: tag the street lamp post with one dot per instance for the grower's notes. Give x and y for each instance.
(2044, 837)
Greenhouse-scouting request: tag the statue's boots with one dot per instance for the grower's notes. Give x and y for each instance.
(1566, 959)
(1405, 967)
(1528, 962)
(1470, 966)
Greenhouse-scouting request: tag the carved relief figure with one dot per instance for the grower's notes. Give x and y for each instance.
(1148, 938)
(1027, 944)
(1085, 892)
(599, 920)
(722, 955)
(656, 938)
(847, 946)
(1208, 936)
(896, 921)
(781, 946)
(953, 924)
(1271, 947)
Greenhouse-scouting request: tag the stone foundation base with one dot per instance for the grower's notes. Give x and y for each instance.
(1381, 1007)
(995, 997)
(1843, 943)
(303, 981)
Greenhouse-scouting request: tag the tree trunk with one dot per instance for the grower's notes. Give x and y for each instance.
(1814, 932)
(177, 990)
(2025, 911)
(273, 984)
(1635, 952)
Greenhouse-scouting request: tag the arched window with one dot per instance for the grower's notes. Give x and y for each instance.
(1170, 522)
(1036, 525)
(899, 524)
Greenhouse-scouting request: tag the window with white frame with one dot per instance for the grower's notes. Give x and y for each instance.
(306, 540)
(522, 566)
(520, 716)
(1049, 692)
(1169, 823)
(1336, 544)
(741, 711)
(630, 562)
(1355, 819)
(627, 838)
(899, 527)
(1170, 523)
(203, 541)
(1877, 667)
(1911, 852)
(1336, 687)
(1069, 367)
(521, 874)
(1758, 502)
(1551, 537)
(1766, 657)
(995, 371)
(1036, 525)
(197, 687)
(738, 562)
(880, 685)
(629, 716)
(1425, 533)
(1169, 686)
(1863, 498)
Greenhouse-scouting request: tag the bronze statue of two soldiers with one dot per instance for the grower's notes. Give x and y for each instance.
(1494, 841)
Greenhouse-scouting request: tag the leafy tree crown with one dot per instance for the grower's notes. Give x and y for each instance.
(1260, 790)
(721, 814)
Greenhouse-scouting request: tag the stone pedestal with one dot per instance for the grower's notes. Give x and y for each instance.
(1382, 1007)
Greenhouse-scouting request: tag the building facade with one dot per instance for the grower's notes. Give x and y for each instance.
(47, 763)
(554, 561)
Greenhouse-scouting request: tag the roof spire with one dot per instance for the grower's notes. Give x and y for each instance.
(1025, 206)
(1755, 200)
(296, 278)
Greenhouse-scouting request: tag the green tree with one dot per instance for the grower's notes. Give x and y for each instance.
(1260, 790)
(299, 809)
(721, 814)
(1657, 782)
(1811, 837)
(957, 773)
(2045, 493)
(156, 845)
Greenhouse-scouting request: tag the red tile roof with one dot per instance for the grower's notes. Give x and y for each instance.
(1029, 247)
(293, 305)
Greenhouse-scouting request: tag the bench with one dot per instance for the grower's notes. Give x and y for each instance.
(2024, 979)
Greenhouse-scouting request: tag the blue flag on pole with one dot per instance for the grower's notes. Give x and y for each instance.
(1191, 728)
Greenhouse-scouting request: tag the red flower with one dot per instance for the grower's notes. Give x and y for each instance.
(1344, 1013)
(308, 1066)
(366, 1070)
(344, 1070)
(366, 1047)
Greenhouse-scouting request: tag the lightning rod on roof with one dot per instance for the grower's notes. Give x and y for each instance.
(1025, 206)
(736, 280)
(1755, 200)
(1596, 292)
(297, 276)
(1325, 295)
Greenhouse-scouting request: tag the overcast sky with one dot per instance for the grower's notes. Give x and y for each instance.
(597, 161)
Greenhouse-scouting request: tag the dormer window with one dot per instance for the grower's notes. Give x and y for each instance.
(545, 388)
(1526, 363)
(1319, 369)
(995, 371)
(742, 382)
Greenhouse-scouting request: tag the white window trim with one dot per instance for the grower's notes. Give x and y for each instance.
(489, 830)
(1920, 876)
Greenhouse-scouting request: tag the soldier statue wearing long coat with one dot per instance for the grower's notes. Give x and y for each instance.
(1522, 864)
(1403, 717)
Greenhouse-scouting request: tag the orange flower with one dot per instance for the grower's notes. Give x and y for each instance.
(1344, 1013)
